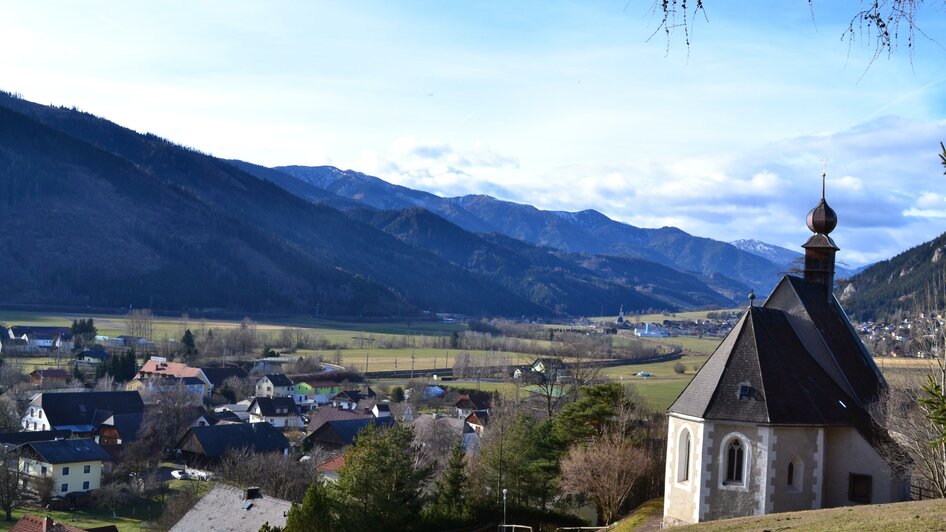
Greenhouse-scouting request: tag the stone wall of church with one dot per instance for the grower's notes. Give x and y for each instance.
(803, 448)
(847, 452)
(721, 499)
(681, 497)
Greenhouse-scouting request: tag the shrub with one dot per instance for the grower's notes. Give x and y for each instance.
(679, 368)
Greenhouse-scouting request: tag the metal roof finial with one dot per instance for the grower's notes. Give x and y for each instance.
(751, 297)
(824, 173)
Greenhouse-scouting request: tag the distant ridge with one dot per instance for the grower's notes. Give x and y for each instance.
(586, 231)
(93, 214)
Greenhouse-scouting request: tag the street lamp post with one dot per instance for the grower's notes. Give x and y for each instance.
(504, 507)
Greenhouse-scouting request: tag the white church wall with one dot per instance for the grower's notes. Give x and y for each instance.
(681, 497)
(846, 452)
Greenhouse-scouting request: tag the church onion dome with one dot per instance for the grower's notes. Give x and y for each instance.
(822, 219)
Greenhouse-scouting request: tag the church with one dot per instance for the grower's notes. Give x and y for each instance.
(779, 418)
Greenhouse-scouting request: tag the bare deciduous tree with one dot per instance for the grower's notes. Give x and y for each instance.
(276, 474)
(11, 475)
(606, 470)
(140, 322)
(900, 409)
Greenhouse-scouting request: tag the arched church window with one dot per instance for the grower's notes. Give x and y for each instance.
(791, 474)
(735, 456)
(683, 456)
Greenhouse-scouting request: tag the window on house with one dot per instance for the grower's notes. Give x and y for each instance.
(85, 485)
(858, 489)
(735, 455)
(65, 471)
(64, 488)
(87, 469)
(42, 471)
(745, 391)
(683, 457)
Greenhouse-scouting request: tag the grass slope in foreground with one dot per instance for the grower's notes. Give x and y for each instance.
(901, 516)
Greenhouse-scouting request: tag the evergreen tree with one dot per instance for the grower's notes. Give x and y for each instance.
(397, 394)
(190, 346)
(452, 487)
(380, 486)
(315, 514)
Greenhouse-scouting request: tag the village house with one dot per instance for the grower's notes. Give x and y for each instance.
(74, 465)
(202, 445)
(42, 338)
(78, 412)
(194, 388)
(119, 429)
(274, 385)
(216, 376)
(468, 403)
(49, 378)
(93, 355)
(779, 418)
(35, 523)
(280, 412)
(315, 392)
(329, 469)
(332, 413)
(226, 508)
(337, 435)
(160, 367)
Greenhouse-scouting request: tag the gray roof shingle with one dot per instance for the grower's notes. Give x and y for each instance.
(223, 509)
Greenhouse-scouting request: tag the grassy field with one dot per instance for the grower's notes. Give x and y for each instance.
(424, 358)
(173, 327)
(665, 385)
(646, 516)
(659, 318)
(903, 517)
(127, 519)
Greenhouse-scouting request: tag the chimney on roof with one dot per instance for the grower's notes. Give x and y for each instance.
(820, 248)
(252, 493)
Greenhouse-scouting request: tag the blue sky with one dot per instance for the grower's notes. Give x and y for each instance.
(564, 105)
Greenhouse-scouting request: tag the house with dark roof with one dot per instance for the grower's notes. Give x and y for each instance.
(280, 412)
(93, 355)
(216, 376)
(471, 402)
(779, 417)
(208, 444)
(337, 435)
(75, 466)
(9, 440)
(43, 338)
(332, 413)
(120, 429)
(354, 398)
(274, 385)
(78, 412)
(229, 509)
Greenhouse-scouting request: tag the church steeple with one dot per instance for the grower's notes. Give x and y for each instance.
(820, 249)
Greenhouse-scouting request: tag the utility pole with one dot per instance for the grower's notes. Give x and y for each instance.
(412, 365)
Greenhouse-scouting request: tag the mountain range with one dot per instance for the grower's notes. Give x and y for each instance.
(95, 214)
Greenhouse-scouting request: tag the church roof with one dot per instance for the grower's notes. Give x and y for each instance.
(794, 361)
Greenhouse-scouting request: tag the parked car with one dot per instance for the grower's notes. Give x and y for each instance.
(198, 474)
(180, 474)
